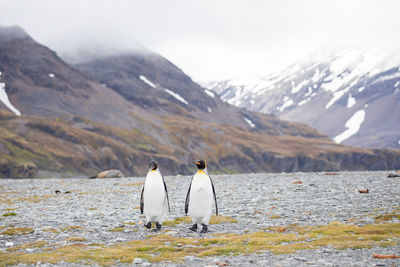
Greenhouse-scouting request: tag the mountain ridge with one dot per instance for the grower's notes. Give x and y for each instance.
(326, 93)
(122, 112)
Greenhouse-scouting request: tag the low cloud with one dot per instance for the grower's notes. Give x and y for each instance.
(210, 40)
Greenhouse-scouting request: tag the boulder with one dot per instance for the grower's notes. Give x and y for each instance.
(112, 173)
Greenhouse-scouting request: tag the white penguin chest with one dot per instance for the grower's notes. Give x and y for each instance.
(154, 191)
(201, 185)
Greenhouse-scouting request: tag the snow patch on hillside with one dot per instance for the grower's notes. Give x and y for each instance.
(287, 103)
(177, 96)
(6, 101)
(298, 87)
(208, 92)
(387, 77)
(304, 101)
(51, 75)
(309, 92)
(352, 125)
(317, 75)
(350, 65)
(336, 96)
(351, 101)
(249, 122)
(147, 81)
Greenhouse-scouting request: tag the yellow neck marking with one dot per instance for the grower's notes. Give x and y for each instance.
(201, 171)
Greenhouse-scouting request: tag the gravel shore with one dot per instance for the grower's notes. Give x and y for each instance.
(106, 211)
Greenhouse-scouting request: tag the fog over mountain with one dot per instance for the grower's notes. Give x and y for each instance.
(122, 111)
(241, 39)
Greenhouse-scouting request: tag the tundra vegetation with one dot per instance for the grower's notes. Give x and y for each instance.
(162, 247)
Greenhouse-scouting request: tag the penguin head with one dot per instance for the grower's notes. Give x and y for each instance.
(153, 166)
(201, 164)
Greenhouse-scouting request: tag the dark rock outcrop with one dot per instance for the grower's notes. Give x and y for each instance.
(11, 169)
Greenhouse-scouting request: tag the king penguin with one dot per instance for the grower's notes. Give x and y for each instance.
(199, 198)
(153, 197)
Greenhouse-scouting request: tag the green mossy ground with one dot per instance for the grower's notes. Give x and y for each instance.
(213, 220)
(166, 248)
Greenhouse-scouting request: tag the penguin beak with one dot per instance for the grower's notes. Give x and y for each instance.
(197, 163)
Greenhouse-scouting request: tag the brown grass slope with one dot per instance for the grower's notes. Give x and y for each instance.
(79, 146)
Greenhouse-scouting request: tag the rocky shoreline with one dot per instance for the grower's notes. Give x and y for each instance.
(104, 213)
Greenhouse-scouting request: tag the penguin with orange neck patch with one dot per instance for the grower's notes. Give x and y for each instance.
(200, 197)
(154, 197)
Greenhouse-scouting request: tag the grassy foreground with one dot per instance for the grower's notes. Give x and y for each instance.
(166, 248)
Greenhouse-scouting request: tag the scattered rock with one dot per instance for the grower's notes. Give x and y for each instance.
(385, 256)
(297, 182)
(112, 173)
(102, 206)
(172, 233)
(137, 261)
(300, 259)
(391, 175)
(58, 192)
(363, 191)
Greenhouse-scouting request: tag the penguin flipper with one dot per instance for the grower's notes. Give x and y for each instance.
(166, 192)
(187, 198)
(141, 201)
(215, 197)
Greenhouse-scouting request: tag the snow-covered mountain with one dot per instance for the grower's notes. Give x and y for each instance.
(352, 96)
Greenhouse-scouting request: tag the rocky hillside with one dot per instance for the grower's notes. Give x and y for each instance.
(34, 146)
(38, 82)
(352, 96)
(156, 85)
(122, 111)
(115, 90)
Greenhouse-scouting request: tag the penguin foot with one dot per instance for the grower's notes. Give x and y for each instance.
(204, 230)
(158, 225)
(148, 225)
(193, 228)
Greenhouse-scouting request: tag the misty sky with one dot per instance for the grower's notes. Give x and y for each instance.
(211, 39)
